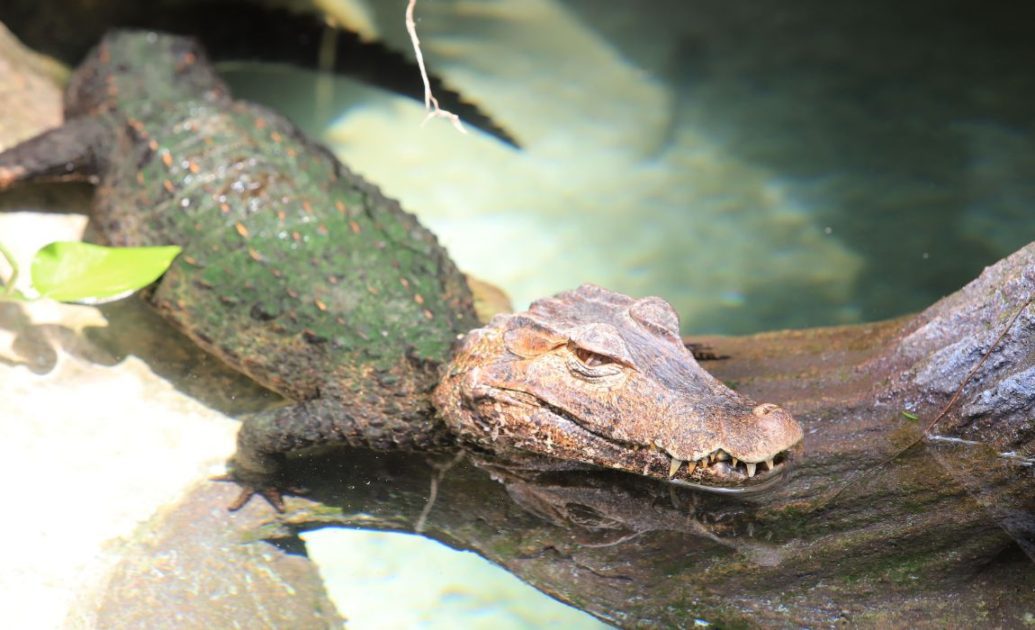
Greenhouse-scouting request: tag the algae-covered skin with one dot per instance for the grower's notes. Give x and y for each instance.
(307, 279)
(294, 270)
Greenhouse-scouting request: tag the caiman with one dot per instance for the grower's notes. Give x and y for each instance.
(303, 276)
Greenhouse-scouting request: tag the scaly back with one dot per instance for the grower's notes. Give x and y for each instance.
(294, 270)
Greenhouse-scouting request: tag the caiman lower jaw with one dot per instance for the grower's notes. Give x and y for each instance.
(720, 470)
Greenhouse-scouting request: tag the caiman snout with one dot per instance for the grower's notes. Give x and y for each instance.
(728, 441)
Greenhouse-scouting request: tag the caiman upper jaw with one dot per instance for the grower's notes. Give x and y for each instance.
(750, 449)
(721, 470)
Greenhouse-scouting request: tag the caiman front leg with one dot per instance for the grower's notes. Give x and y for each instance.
(265, 440)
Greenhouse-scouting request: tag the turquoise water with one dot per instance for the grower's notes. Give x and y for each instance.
(757, 171)
(441, 587)
(759, 167)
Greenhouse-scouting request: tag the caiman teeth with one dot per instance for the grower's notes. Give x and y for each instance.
(734, 466)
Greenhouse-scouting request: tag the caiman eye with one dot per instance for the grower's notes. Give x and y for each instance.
(597, 351)
(590, 359)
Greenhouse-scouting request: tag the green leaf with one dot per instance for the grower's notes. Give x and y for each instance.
(910, 416)
(81, 272)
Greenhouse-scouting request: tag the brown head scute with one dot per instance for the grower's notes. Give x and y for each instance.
(593, 377)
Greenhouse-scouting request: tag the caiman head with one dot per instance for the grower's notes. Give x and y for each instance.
(593, 377)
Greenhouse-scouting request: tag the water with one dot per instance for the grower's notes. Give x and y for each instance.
(755, 169)
(442, 587)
